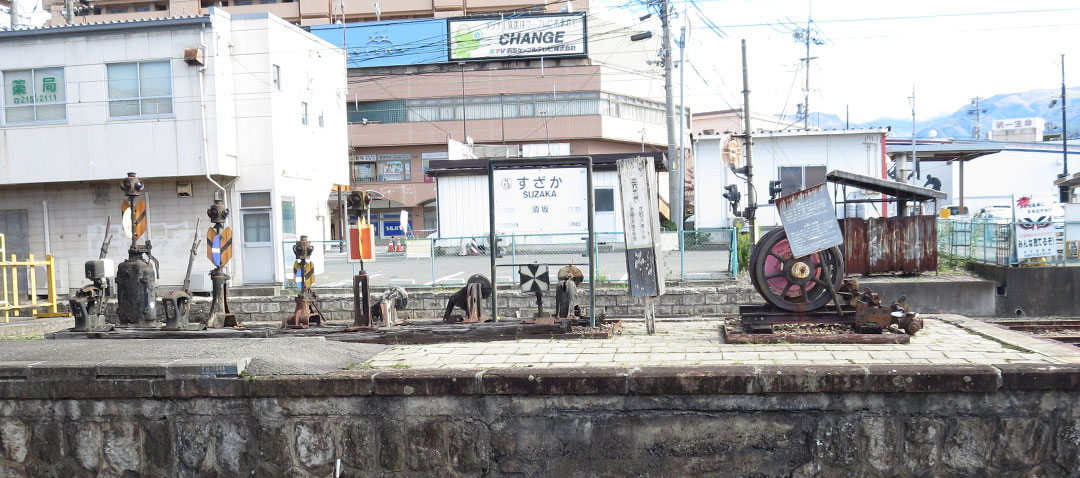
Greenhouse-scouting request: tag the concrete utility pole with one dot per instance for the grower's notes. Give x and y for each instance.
(976, 111)
(69, 10)
(676, 214)
(682, 149)
(14, 14)
(751, 198)
(807, 37)
(914, 158)
(1064, 125)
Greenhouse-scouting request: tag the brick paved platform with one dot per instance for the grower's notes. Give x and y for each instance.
(946, 340)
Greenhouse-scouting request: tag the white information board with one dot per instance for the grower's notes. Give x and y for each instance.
(641, 226)
(541, 201)
(1034, 228)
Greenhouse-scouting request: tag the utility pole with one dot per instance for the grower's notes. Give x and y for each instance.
(674, 187)
(914, 159)
(807, 36)
(69, 10)
(751, 198)
(682, 149)
(1064, 126)
(976, 111)
(14, 14)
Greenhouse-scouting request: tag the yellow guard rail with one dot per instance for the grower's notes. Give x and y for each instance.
(9, 278)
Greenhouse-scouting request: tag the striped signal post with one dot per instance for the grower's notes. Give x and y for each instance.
(307, 301)
(219, 250)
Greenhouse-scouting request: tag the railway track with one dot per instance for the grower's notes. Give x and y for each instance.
(1066, 330)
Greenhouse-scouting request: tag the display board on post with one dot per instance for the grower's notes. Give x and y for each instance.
(810, 225)
(641, 233)
(1034, 229)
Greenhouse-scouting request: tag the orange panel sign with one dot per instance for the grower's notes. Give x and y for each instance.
(361, 241)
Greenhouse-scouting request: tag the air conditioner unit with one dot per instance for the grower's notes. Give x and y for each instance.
(194, 56)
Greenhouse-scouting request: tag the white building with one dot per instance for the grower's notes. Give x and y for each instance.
(263, 116)
(798, 158)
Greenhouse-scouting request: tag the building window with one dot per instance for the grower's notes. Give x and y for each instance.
(277, 77)
(363, 172)
(322, 118)
(243, 2)
(140, 89)
(288, 216)
(303, 112)
(382, 167)
(36, 95)
(145, 7)
(117, 10)
(267, 2)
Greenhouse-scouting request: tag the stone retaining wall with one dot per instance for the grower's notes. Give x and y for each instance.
(767, 421)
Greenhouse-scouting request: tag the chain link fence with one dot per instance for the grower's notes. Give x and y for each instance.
(994, 242)
(704, 255)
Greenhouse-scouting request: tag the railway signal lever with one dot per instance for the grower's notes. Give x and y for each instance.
(733, 196)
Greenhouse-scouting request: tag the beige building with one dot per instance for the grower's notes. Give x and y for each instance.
(300, 12)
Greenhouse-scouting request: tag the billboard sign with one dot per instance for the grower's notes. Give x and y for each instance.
(526, 36)
(1034, 229)
(540, 201)
(391, 43)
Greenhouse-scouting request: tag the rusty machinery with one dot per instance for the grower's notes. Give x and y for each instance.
(799, 289)
(566, 307)
(176, 304)
(135, 276)
(88, 303)
(470, 299)
(307, 310)
(386, 307)
(219, 251)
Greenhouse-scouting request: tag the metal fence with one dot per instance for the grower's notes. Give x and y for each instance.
(705, 255)
(993, 242)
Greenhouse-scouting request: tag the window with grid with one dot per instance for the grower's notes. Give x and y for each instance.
(36, 95)
(140, 89)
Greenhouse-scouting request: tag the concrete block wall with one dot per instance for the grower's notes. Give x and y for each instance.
(77, 220)
(426, 305)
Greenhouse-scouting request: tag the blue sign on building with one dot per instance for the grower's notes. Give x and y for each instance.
(391, 228)
(399, 42)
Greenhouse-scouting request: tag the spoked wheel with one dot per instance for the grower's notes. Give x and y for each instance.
(791, 283)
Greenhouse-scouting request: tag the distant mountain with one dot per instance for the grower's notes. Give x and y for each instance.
(958, 125)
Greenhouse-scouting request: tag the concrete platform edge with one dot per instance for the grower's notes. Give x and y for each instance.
(64, 381)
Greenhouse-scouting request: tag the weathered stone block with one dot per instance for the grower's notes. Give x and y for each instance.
(270, 307)
(922, 446)
(86, 443)
(967, 445)
(391, 446)
(882, 438)
(469, 446)
(249, 307)
(1019, 443)
(359, 443)
(123, 446)
(426, 444)
(232, 447)
(314, 446)
(14, 438)
(191, 440)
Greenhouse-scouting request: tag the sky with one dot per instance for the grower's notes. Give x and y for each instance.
(872, 54)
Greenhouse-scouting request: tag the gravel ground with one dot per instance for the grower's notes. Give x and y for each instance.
(277, 356)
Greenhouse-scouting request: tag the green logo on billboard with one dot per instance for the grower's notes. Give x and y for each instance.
(466, 41)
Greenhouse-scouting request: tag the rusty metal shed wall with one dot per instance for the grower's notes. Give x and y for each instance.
(895, 244)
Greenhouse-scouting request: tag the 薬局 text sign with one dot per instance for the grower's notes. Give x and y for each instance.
(541, 201)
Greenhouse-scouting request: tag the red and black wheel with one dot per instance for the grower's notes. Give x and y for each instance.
(795, 284)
